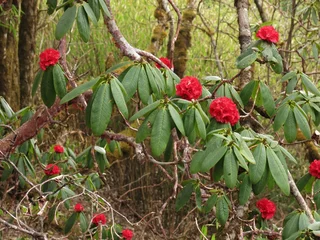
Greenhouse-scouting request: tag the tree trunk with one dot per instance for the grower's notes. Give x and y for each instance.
(27, 35)
(9, 64)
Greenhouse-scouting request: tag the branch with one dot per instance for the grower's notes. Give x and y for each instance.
(174, 39)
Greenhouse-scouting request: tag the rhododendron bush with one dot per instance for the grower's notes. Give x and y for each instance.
(218, 144)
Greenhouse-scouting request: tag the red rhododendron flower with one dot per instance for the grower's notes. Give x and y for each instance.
(58, 149)
(224, 110)
(266, 207)
(48, 58)
(78, 207)
(99, 219)
(314, 168)
(166, 61)
(268, 33)
(51, 169)
(127, 234)
(189, 88)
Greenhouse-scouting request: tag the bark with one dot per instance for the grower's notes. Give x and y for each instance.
(9, 64)
(263, 14)
(183, 42)
(27, 45)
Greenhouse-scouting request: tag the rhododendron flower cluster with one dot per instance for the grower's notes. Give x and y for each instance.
(52, 169)
(314, 168)
(224, 110)
(78, 207)
(127, 234)
(189, 88)
(166, 61)
(266, 207)
(99, 219)
(58, 149)
(48, 57)
(268, 33)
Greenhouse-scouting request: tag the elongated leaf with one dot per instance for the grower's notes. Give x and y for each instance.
(213, 157)
(245, 151)
(201, 127)
(256, 170)
(235, 95)
(160, 132)
(175, 116)
(88, 110)
(230, 169)
(196, 162)
(302, 182)
(302, 123)
(48, 93)
(130, 80)
(288, 76)
(101, 109)
(145, 128)
(281, 116)
(245, 190)
(143, 87)
(315, 51)
(83, 24)
(152, 80)
(246, 58)
(119, 65)
(119, 98)
(184, 196)
(247, 91)
(79, 90)
(90, 13)
(189, 121)
(260, 186)
(70, 222)
(210, 203)
(83, 222)
(36, 83)
(145, 110)
(291, 226)
(104, 8)
(95, 6)
(268, 101)
(204, 116)
(277, 65)
(290, 127)
(303, 221)
(65, 22)
(278, 172)
(240, 158)
(222, 211)
(59, 81)
(309, 85)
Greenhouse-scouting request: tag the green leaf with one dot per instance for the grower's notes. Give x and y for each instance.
(119, 98)
(48, 93)
(268, 101)
(145, 128)
(130, 80)
(288, 155)
(309, 85)
(119, 65)
(288, 76)
(302, 123)
(104, 8)
(70, 222)
(65, 22)
(303, 221)
(290, 127)
(210, 203)
(89, 108)
(278, 172)
(246, 58)
(189, 121)
(155, 86)
(281, 116)
(204, 116)
(291, 85)
(230, 169)
(276, 66)
(79, 90)
(90, 13)
(222, 210)
(240, 158)
(101, 109)
(175, 116)
(145, 110)
(59, 81)
(95, 6)
(247, 91)
(198, 197)
(245, 151)
(315, 51)
(267, 53)
(160, 132)
(235, 95)
(52, 4)
(83, 24)
(184, 196)
(256, 170)
(83, 222)
(36, 83)
(245, 190)
(291, 226)
(212, 158)
(143, 87)
(201, 127)
(260, 186)
(302, 182)
(196, 162)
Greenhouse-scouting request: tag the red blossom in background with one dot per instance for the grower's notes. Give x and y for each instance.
(224, 110)
(266, 207)
(99, 219)
(48, 57)
(78, 207)
(268, 33)
(314, 168)
(127, 234)
(166, 61)
(58, 149)
(189, 88)
(52, 169)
